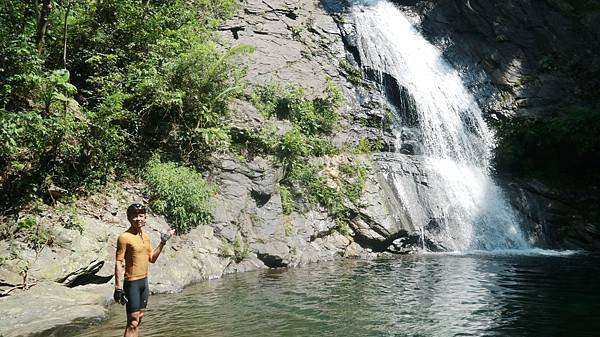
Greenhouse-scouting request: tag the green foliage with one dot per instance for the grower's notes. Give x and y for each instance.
(296, 31)
(292, 146)
(353, 73)
(318, 191)
(251, 142)
(238, 249)
(214, 139)
(187, 99)
(30, 231)
(366, 146)
(287, 201)
(311, 117)
(180, 193)
(353, 180)
(69, 217)
(312, 120)
(19, 59)
(288, 228)
(567, 144)
(60, 143)
(295, 146)
(141, 76)
(344, 228)
(332, 193)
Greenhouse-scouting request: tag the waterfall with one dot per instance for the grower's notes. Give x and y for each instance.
(455, 141)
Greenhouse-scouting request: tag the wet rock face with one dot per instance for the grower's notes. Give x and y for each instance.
(400, 210)
(557, 218)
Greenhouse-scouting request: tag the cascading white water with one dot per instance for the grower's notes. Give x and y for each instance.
(456, 141)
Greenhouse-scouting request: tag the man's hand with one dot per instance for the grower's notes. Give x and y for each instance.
(164, 237)
(119, 296)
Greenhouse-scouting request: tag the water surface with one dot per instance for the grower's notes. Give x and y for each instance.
(422, 295)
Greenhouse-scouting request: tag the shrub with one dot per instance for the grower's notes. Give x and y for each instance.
(251, 142)
(332, 193)
(238, 249)
(61, 143)
(180, 193)
(185, 99)
(287, 201)
(317, 116)
(366, 146)
(353, 181)
(316, 190)
(34, 234)
(292, 146)
(353, 73)
(312, 120)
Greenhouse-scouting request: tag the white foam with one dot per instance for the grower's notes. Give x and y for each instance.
(512, 252)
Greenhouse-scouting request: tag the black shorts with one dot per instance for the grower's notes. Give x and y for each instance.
(137, 293)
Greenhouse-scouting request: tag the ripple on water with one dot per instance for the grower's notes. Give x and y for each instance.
(422, 295)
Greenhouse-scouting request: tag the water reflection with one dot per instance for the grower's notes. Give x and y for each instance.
(424, 295)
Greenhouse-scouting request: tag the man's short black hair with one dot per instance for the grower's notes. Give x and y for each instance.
(135, 208)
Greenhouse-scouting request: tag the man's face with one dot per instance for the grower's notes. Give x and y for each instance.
(138, 219)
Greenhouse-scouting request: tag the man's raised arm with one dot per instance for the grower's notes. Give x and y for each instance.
(164, 237)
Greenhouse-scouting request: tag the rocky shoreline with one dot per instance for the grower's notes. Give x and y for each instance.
(54, 303)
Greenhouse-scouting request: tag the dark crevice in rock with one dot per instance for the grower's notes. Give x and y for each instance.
(553, 196)
(405, 245)
(396, 95)
(272, 261)
(320, 235)
(349, 43)
(234, 30)
(260, 198)
(377, 245)
(290, 14)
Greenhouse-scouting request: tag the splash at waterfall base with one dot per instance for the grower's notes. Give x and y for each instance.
(408, 197)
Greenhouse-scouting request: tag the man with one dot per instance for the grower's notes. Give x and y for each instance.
(133, 248)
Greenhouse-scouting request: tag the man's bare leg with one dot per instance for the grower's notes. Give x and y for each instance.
(140, 318)
(133, 324)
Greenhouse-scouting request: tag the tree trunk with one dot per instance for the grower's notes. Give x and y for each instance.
(68, 8)
(37, 11)
(42, 25)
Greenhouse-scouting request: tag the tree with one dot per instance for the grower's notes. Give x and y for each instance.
(43, 22)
